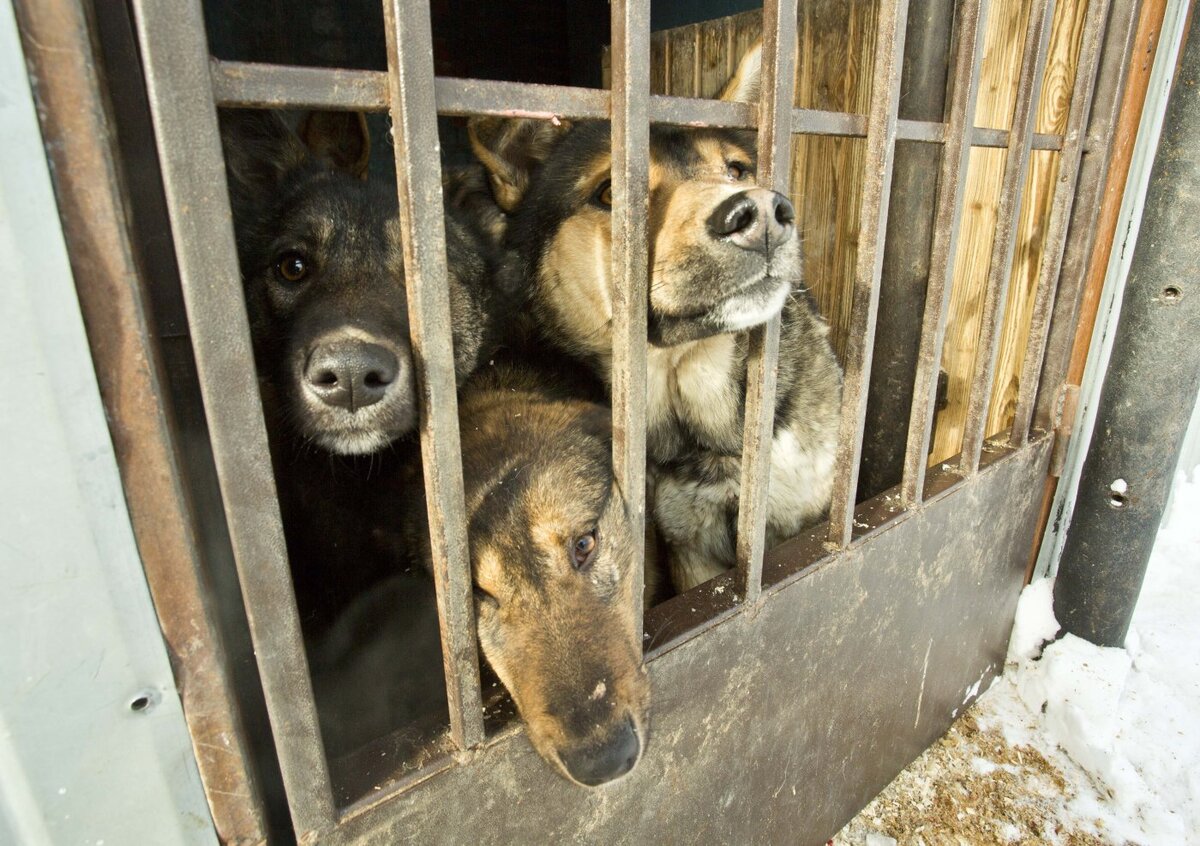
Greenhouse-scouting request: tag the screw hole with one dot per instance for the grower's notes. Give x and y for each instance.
(141, 703)
(1172, 294)
(144, 701)
(1117, 500)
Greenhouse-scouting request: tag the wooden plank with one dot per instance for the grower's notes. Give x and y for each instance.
(1053, 109)
(682, 76)
(712, 58)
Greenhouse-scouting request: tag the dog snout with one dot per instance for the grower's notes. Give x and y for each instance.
(758, 220)
(351, 374)
(605, 759)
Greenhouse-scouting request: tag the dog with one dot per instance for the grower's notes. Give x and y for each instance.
(724, 258)
(552, 562)
(322, 266)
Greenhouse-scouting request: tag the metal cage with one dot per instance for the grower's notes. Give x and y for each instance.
(790, 690)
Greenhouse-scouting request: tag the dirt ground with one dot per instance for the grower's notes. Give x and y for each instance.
(971, 788)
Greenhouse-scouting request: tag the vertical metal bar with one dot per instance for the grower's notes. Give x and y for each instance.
(1060, 218)
(79, 136)
(419, 185)
(1012, 191)
(185, 123)
(877, 185)
(951, 187)
(630, 261)
(776, 93)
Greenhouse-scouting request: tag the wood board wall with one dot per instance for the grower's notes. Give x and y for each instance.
(836, 42)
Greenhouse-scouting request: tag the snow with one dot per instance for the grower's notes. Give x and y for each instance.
(1074, 743)
(1123, 724)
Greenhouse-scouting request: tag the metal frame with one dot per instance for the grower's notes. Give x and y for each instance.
(185, 87)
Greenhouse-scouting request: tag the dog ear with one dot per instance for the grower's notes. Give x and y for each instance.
(340, 138)
(259, 150)
(511, 149)
(743, 87)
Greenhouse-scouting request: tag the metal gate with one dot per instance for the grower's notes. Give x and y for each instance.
(789, 691)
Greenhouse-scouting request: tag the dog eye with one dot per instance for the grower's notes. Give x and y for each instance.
(583, 550)
(737, 170)
(603, 195)
(292, 267)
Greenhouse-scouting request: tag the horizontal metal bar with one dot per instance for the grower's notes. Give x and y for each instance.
(1008, 211)
(175, 54)
(776, 94)
(951, 189)
(1060, 218)
(423, 237)
(876, 191)
(265, 86)
(262, 86)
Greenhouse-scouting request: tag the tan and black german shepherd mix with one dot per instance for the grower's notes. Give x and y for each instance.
(724, 257)
(551, 554)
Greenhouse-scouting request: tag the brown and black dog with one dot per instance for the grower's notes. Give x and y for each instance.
(553, 563)
(724, 257)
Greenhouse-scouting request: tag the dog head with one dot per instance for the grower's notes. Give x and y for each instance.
(553, 564)
(322, 263)
(724, 253)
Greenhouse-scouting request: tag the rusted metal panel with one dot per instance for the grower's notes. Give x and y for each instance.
(177, 78)
(762, 355)
(630, 261)
(1060, 216)
(947, 216)
(78, 135)
(776, 726)
(418, 180)
(881, 144)
(1012, 190)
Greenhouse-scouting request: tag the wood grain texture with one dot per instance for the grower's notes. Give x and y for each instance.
(998, 83)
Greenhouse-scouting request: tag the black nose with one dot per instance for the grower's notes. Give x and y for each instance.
(351, 374)
(757, 219)
(613, 756)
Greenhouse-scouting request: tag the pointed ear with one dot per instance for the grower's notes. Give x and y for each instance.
(259, 150)
(340, 138)
(743, 87)
(511, 149)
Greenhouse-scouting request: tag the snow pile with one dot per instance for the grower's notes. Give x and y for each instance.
(1122, 725)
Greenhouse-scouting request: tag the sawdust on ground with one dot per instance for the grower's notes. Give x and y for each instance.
(971, 788)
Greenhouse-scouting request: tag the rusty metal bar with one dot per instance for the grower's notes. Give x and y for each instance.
(175, 58)
(1101, 176)
(1012, 191)
(972, 22)
(630, 262)
(419, 185)
(79, 134)
(877, 183)
(1060, 217)
(776, 93)
(264, 86)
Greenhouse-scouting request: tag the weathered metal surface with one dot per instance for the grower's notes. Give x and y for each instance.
(177, 79)
(1060, 216)
(1108, 99)
(881, 144)
(947, 217)
(905, 276)
(78, 136)
(630, 261)
(419, 183)
(778, 724)
(762, 357)
(1149, 390)
(1004, 242)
